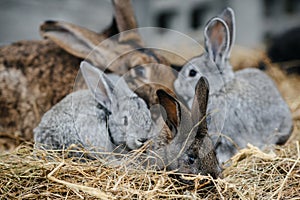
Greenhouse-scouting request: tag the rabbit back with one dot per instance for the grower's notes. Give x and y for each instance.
(74, 120)
(270, 105)
(256, 114)
(247, 101)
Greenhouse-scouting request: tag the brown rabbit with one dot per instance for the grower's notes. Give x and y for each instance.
(130, 58)
(124, 54)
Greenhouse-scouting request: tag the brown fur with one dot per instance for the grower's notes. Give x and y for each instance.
(34, 75)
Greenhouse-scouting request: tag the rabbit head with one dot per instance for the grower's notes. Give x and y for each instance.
(187, 145)
(214, 64)
(129, 120)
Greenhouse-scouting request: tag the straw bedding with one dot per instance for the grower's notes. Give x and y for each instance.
(273, 173)
(252, 174)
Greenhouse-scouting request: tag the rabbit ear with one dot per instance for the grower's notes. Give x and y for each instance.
(97, 82)
(72, 38)
(171, 111)
(126, 20)
(101, 84)
(200, 105)
(228, 16)
(79, 41)
(216, 35)
(121, 88)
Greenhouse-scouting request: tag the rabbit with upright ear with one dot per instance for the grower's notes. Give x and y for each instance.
(101, 119)
(255, 111)
(124, 54)
(105, 116)
(187, 146)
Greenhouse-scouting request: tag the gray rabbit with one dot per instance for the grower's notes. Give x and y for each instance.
(86, 117)
(248, 101)
(99, 119)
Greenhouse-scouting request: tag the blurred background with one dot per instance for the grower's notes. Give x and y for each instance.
(257, 20)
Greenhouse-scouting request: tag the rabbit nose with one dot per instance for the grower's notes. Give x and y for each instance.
(141, 141)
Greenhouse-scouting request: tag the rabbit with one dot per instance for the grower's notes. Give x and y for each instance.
(187, 146)
(26, 67)
(124, 53)
(91, 117)
(248, 101)
(95, 119)
(128, 58)
(27, 94)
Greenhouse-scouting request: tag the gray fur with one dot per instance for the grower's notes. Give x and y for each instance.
(186, 143)
(82, 117)
(181, 144)
(248, 101)
(67, 123)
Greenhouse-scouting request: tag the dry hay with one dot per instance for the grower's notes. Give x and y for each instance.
(252, 174)
(26, 173)
(30, 173)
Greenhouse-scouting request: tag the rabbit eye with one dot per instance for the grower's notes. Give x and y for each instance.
(192, 73)
(208, 119)
(125, 120)
(191, 159)
(139, 71)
